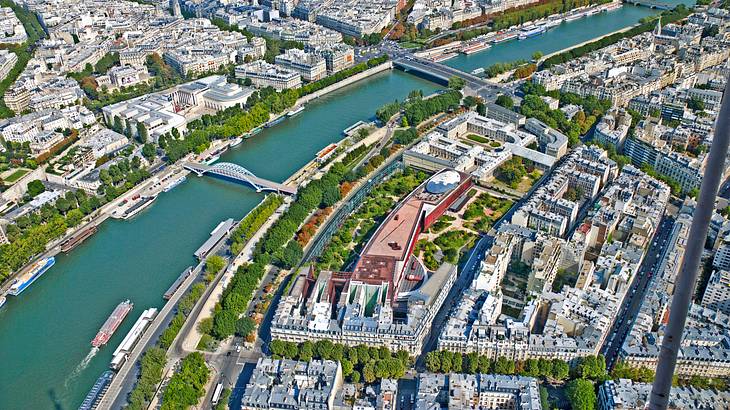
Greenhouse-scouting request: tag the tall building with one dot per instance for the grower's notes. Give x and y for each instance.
(717, 292)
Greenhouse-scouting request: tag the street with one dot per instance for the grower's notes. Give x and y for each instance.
(635, 294)
(464, 279)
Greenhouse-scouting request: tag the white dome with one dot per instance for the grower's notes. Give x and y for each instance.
(443, 182)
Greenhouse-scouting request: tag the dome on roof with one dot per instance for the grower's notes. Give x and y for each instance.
(443, 182)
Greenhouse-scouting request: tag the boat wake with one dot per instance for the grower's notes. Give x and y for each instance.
(81, 366)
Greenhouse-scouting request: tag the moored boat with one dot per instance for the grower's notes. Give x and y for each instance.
(531, 31)
(36, 271)
(295, 112)
(76, 240)
(501, 38)
(174, 183)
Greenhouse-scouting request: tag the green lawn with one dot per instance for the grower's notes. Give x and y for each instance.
(16, 175)
(410, 44)
(477, 138)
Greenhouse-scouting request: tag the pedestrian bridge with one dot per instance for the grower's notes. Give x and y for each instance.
(239, 174)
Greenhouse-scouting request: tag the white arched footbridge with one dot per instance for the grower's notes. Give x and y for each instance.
(240, 174)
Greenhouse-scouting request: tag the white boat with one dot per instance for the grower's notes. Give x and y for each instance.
(574, 17)
(140, 206)
(212, 159)
(3, 299)
(235, 142)
(36, 271)
(174, 183)
(531, 31)
(553, 23)
(298, 111)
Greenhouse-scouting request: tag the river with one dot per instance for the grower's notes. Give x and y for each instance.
(45, 333)
(558, 38)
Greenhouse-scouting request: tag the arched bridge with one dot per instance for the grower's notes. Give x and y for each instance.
(238, 173)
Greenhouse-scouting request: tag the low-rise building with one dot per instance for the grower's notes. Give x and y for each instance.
(7, 62)
(613, 128)
(263, 74)
(288, 384)
(337, 56)
(625, 394)
(717, 292)
(482, 391)
(390, 298)
(310, 66)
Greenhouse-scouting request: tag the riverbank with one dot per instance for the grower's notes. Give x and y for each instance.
(153, 186)
(388, 65)
(560, 37)
(515, 32)
(138, 259)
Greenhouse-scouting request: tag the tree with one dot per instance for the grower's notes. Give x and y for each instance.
(330, 194)
(74, 217)
(446, 362)
(368, 372)
(537, 55)
(456, 83)
(560, 370)
(481, 109)
(224, 324)
(35, 188)
(324, 349)
(591, 367)
(127, 128)
(245, 326)
(504, 366)
(149, 151)
(214, 264)
(505, 101)
(404, 121)
(187, 385)
(291, 254)
(470, 101)
(581, 394)
(306, 351)
(347, 367)
(695, 104)
(206, 326)
(433, 361)
(142, 134)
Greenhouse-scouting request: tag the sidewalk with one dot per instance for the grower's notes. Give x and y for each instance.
(191, 340)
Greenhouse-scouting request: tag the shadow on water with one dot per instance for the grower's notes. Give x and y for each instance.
(54, 399)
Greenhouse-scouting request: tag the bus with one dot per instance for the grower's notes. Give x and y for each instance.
(217, 394)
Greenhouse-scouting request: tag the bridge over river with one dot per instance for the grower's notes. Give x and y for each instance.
(239, 174)
(486, 89)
